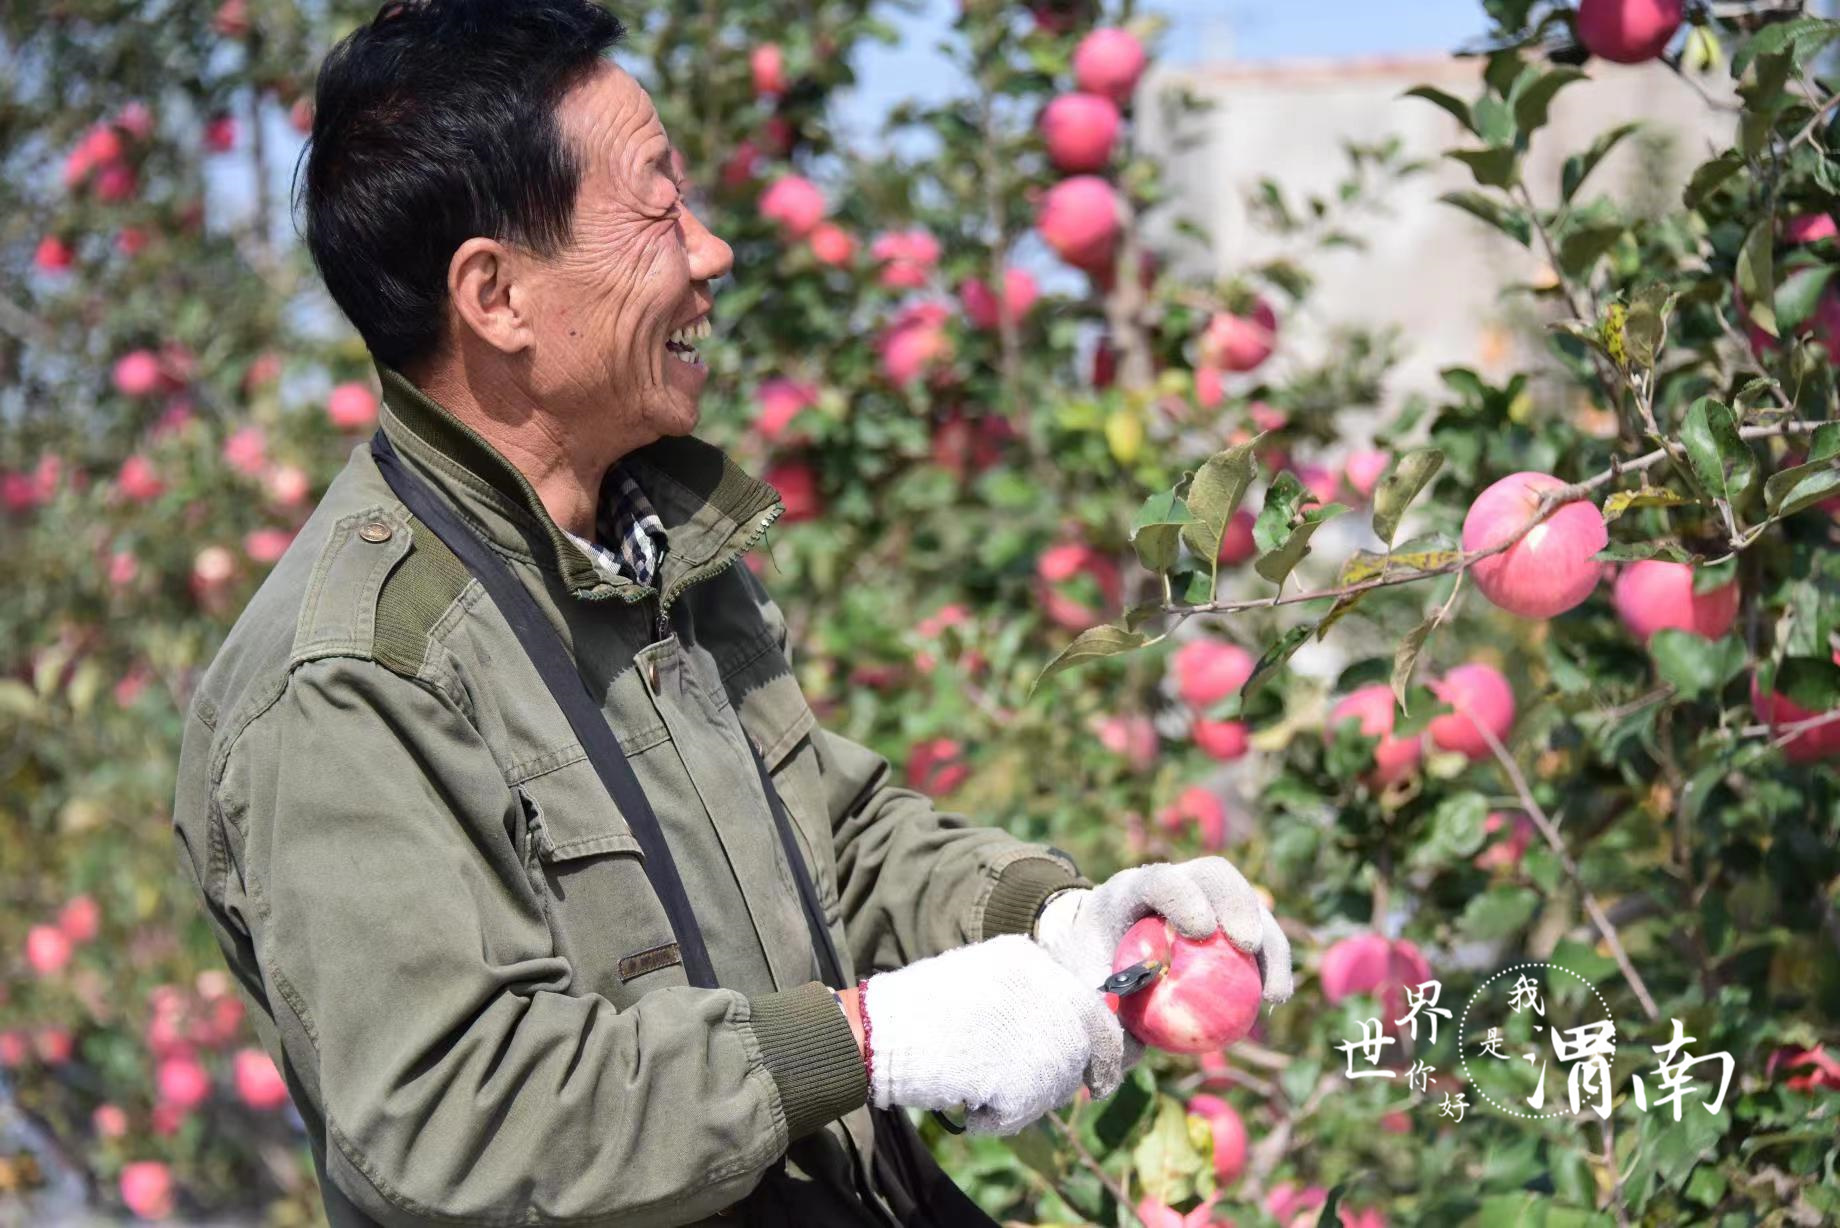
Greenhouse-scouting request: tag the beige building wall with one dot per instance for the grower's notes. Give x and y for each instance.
(1432, 270)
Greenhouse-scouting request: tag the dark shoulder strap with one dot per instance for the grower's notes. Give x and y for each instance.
(557, 668)
(821, 944)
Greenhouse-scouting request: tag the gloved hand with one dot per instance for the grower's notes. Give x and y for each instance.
(1081, 928)
(997, 1026)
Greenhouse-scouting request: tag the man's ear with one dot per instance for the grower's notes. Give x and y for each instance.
(483, 286)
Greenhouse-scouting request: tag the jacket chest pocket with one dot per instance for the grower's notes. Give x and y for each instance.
(589, 869)
(775, 717)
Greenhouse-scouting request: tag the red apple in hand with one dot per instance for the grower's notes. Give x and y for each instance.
(1206, 996)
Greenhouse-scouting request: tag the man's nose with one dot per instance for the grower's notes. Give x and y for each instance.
(710, 257)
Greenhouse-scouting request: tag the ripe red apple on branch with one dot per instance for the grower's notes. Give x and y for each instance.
(1627, 31)
(1553, 567)
(1206, 992)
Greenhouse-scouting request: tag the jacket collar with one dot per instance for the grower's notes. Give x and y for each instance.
(712, 511)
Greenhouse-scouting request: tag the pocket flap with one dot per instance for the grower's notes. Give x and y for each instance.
(772, 708)
(570, 814)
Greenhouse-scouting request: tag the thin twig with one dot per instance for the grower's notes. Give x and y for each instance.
(1785, 734)
(1093, 1166)
(1814, 121)
(1616, 1178)
(1551, 834)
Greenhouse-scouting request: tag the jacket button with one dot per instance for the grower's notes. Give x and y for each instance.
(375, 531)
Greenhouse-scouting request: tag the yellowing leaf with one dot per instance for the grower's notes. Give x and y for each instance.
(1645, 496)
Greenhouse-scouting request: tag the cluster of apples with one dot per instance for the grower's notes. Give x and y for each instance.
(1080, 217)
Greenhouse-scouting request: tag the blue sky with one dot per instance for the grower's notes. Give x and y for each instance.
(1200, 31)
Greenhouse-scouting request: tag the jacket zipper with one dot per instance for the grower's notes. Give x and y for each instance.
(661, 622)
(676, 590)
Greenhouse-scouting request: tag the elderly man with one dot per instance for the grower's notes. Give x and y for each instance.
(501, 796)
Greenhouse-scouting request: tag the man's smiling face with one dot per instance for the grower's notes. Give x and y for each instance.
(619, 309)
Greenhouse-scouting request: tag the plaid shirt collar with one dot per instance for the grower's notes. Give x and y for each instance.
(633, 532)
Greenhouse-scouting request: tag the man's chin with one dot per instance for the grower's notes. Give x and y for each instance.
(679, 413)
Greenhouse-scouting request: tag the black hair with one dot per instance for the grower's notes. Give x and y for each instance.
(435, 123)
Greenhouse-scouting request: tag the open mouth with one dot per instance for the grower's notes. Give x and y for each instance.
(682, 343)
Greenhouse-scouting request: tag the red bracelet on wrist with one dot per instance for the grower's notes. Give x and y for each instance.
(862, 1008)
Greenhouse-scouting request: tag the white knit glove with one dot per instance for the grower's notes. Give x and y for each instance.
(1082, 927)
(997, 1026)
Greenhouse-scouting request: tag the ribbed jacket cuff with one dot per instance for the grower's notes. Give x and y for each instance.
(1021, 889)
(811, 1053)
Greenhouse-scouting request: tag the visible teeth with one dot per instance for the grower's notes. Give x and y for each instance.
(693, 333)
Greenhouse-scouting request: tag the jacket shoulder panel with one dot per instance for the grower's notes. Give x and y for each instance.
(415, 597)
(338, 616)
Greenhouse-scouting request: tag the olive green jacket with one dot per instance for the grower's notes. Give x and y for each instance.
(443, 921)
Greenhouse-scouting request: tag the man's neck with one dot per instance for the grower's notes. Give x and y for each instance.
(564, 469)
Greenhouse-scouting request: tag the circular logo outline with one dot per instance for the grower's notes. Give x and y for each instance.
(1462, 1033)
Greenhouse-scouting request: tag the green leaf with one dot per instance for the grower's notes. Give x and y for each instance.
(1801, 39)
(1756, 274)
(1331, 1214)
(1137, 615)
(1449, 102)
(1275, 656)
(1123, 1111)
(1154, 532)
(1645, 327)
(1511, 221)
(1646, 496)
(1579, 166)
(1280, 561)
(1709, 175)
(1714, 575)
(1166, 1159)
(1635, 552)
(1721, 460)
(1533, 103)
(1458, 830)
(1494, 121)
(1215, 494)
(1790, 490)
(1492, 168)
(1405, 657)
(1798, 294)
(1092, 644)
(1583, 246)
(1693, 665)
(1497, 913)
(1809, 682)
(1282, 499)
(1408, 474)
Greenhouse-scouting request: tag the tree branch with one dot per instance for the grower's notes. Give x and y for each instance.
(1550, 502)
(1093, 1166)
(1550, 833)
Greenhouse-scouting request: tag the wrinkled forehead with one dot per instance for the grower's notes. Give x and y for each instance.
(609, 117)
